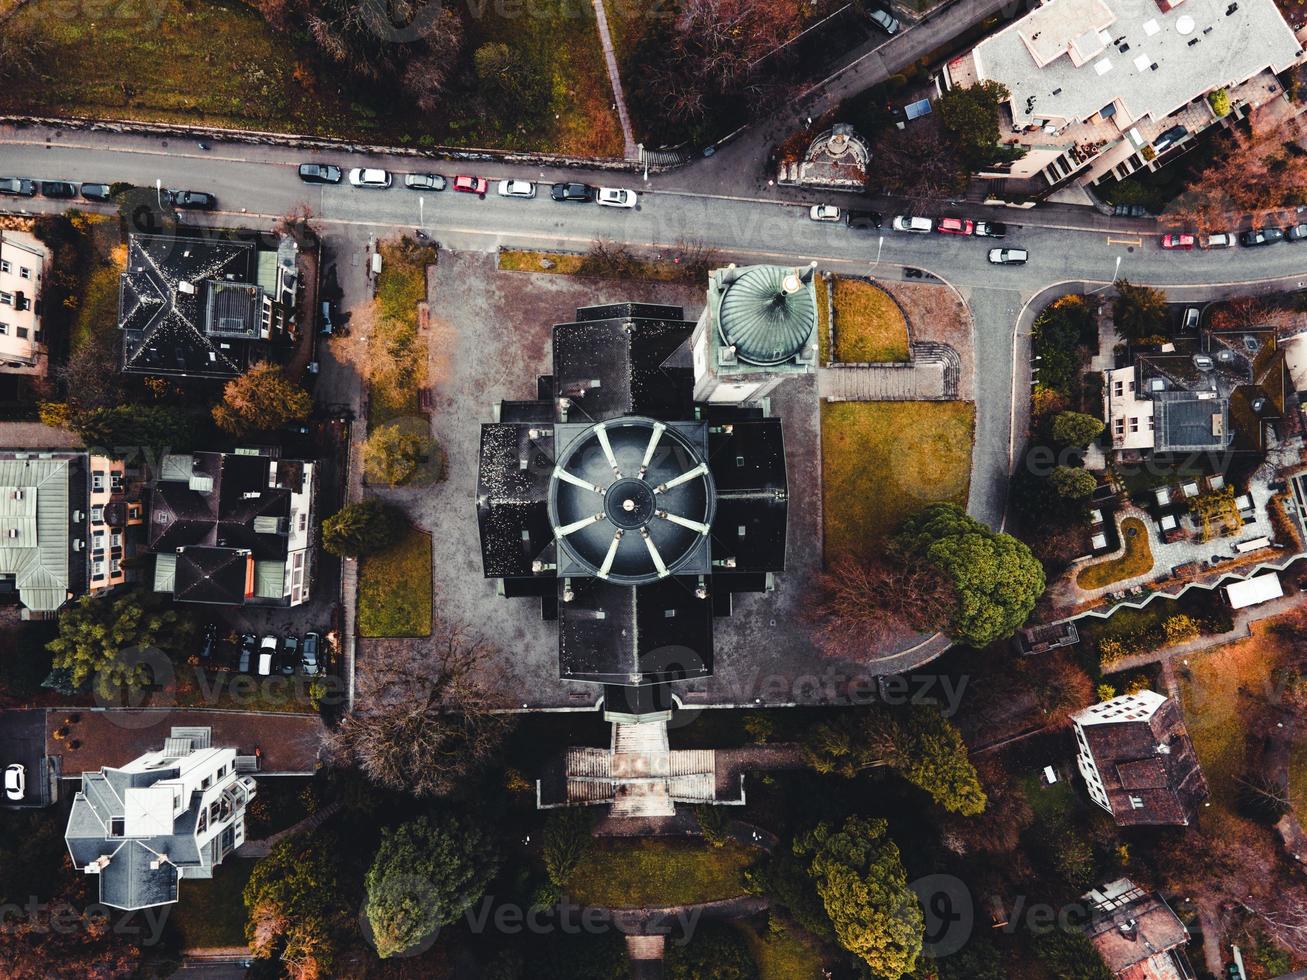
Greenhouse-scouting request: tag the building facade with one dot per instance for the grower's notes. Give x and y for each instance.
(22, 268)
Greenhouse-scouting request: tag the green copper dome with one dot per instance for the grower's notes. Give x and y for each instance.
(767, 314)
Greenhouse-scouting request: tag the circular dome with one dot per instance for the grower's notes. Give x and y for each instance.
(630, 500)
(767, 315)
(1184, 25)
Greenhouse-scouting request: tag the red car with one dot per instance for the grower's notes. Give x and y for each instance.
(1182, 242)
(955, 226)
(471, 185)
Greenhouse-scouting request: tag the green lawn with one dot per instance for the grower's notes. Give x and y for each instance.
(210, 912)
(789, 954)
(881, 462)
(1136, 560)
(869, 326)
(395, 589)
(656, 872)
(394, 340)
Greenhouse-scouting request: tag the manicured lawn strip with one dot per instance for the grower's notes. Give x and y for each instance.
(784, 955)
(210, 912)
(881, 462)
(574, 264)
(869, 326)
(395, 589)
(656, 872)
(1137, 559)
(823, 318)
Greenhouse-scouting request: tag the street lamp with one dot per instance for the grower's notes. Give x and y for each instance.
(880, 243)
(158, 190)
(1115, 273)
(422, 221)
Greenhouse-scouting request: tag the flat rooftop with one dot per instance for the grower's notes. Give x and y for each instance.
(1070, 59)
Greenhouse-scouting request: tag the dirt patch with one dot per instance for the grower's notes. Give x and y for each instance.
(937, 314)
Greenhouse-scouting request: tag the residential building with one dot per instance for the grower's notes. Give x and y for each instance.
(1137, 760)
(1226, 390)
(1101, 88)
(114, 523)
(43, 528)
(1137, 933)
(233, 528)
(173, 813)
(206, 307)
(22, 268)
(631, 510)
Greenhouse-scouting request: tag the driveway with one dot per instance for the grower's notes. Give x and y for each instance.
(22, 741)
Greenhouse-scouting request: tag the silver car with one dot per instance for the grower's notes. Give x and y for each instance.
(361, 177)
(884, 20)
(517, 188)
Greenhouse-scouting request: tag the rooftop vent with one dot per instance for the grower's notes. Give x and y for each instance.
(1202, 362)
(186, 287)
(1258, 404)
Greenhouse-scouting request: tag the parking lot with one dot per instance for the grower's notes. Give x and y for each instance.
(22, 742)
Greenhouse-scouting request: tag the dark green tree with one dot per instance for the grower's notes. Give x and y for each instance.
(1072, 482)
(977, 960)
(716, 950)
(864, 889)
(566, 841)
(1076, 429)
(1138, 311)
(970, 115)
(362, 528)
(426, 874)
(997, 578)
(124, 430)
(1071, 956)
(290, 901)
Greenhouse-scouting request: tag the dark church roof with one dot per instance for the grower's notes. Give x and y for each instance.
(630, 511)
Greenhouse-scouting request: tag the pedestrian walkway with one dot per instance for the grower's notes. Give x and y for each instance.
(260, 848)
(631, 151)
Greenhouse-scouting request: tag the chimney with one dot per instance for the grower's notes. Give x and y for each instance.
(1129, 929)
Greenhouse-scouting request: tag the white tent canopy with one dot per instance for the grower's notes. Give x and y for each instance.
(1261, 588)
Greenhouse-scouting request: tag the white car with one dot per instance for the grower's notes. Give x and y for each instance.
(824, 212)
(1008, 256)
(1221, 239)
(369, 178)
(919, 226)
(517, 188)
(615, 197)
(885, 21)
(266, 650)
(15, 781)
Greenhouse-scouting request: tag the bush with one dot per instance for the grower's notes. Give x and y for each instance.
(362, 528)
(1219, 101)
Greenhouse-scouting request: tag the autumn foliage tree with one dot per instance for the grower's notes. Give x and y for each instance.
(262, 398)
(1258, 172)
(863, 602)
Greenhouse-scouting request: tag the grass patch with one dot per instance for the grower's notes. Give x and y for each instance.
(210, 912)
(1050, 804)
(395, 589)
(656, 872)
(869, 326)
(881, 462)
(1136, 560)
(397, 360)
(533, 260)
(97, 312)
(630, 266)
(784, 954)
(823, 318)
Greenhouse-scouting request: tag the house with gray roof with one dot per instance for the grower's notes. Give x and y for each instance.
(43, 512)
(173, 813)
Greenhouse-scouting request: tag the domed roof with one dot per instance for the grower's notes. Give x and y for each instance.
(631, 500)
(767, 314)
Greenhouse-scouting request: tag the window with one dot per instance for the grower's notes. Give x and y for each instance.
(1119, 388)
(6, 299)
(116, 539)
(5, 266)
(1134, 425)
(97, 513)
(24, 272)
(4, 329)
(22, 333)
(1120, 427)
(1136, 803)
(97, 569)
(97, 480)
(115, 566)
(304, 522)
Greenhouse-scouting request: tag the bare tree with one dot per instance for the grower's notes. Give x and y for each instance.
(863, 602)
(1284, 918)
(424, 719)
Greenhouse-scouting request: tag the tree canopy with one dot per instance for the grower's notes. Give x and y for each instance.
(121, 431)
(1070, 955)
(970, 115)
(997, 579)
(862, 884)
(290, 901)
(1072, 482)
(716, 950)
(862, 602)
(261, 399)
(1076, 429)
(362, 528)
(426, 874)
(392, 456)
(1139, 312)
(99, 636)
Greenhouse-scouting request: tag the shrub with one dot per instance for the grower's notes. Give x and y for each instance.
(1219, 101)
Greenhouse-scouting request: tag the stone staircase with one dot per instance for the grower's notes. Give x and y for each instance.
(642, 758)
(931, 375)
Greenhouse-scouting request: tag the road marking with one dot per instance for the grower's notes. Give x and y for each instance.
(1124, 241)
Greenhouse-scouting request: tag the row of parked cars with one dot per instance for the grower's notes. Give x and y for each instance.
(964, 226)
(377, 179)
(1268, 235)
(66, 189)
(285, 655)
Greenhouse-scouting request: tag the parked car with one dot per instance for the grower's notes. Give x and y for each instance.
(824, 212)
(517, 188)
(208, 640)
(195, 200)
(920, 226)
(1008, 256)
(247, 652)
(58, 188)
(1261, 236)
(471, 185)
(267, 649)
(309, 655)
(862, 219)
(15, 781)
(95, 192)
(955, 226)
(1221, 239)
(290, 650)
(376, 179)
(18, 186)
(1181, 242)
(615, 197)
(327, 328)
(572, 191)
(319, 173)
(884, 20)
(1189, 322)
(1130, 211)
(1295, 233)
(991, 229)
(425, 182)
(1172, 135)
